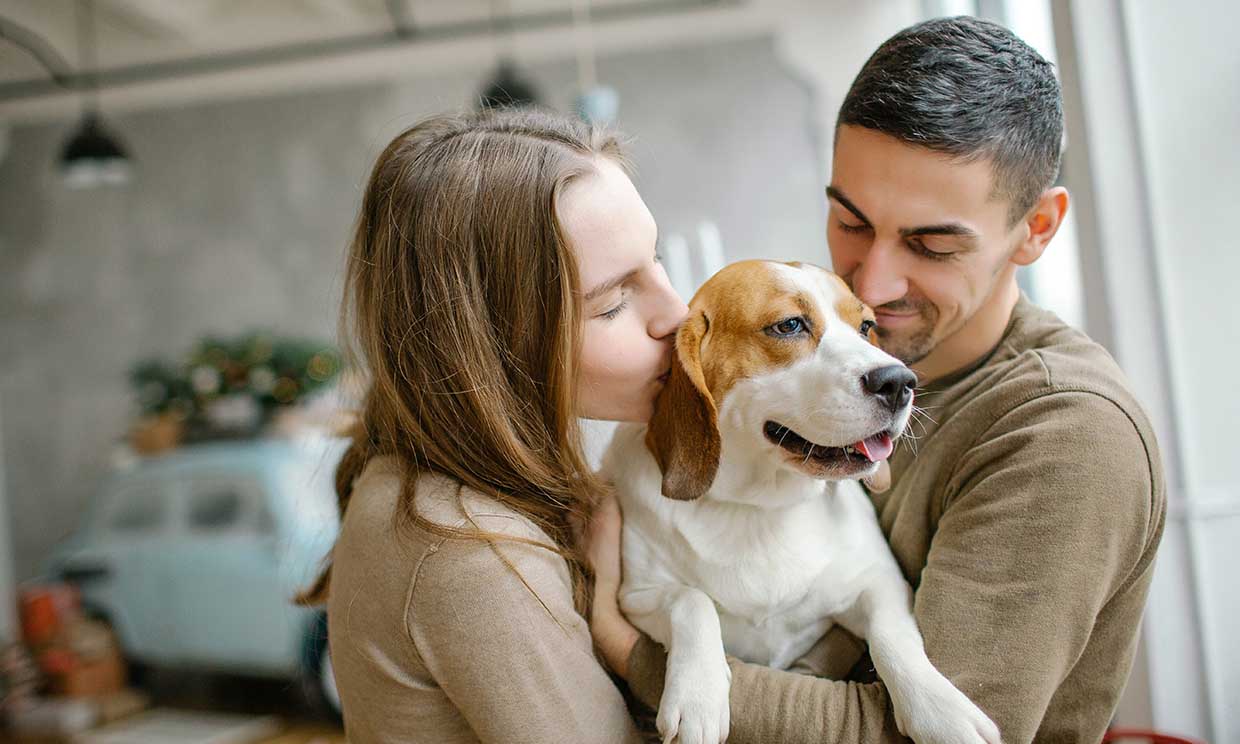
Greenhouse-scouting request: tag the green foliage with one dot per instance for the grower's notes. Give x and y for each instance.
(274, 371)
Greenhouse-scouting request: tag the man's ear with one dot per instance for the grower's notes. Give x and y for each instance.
(1041, 224)
(684, 431)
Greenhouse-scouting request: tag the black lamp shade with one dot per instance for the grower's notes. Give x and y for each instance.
(93, 157)
(508, 89)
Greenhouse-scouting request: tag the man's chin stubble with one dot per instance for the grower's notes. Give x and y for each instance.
(908, 350)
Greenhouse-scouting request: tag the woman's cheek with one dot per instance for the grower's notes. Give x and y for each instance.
(619, 353)
(604, 358)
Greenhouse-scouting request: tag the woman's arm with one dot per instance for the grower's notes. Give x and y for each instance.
(613, 635)
(497, 630)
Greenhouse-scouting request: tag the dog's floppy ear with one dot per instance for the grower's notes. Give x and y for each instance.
(872, 336)
(684, 430)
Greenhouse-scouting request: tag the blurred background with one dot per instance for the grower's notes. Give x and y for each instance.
(178, 179)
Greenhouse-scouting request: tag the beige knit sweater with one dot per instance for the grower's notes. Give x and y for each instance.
(436, 640)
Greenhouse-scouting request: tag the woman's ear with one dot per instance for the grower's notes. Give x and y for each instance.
(684, 430)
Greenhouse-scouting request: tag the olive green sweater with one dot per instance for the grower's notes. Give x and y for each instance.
(1025, 511)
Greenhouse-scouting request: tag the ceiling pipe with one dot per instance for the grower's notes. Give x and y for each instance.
(62, 79)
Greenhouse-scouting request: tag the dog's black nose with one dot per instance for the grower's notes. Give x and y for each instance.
(892, 385)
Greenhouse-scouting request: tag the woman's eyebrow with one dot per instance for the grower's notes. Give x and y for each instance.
(610, 284)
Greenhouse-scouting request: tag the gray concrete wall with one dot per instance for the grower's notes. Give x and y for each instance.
(239, 215)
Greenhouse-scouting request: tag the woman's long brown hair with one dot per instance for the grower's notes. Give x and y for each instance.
(461, 308)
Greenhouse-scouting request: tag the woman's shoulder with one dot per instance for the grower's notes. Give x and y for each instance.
(445, 573)
(376, 537)
(402, 566)
(375, 507)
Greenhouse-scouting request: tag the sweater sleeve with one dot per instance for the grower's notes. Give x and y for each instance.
(497, 629)
(1051, 516)
(772, 706)
(1047, 519)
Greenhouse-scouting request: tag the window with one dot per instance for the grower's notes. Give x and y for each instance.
(137, 509)
(215, 509)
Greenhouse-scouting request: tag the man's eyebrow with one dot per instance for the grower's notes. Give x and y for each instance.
(837, 195)
(950, 229)
(610, 284)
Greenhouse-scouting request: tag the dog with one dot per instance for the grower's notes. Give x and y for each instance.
(746, 530)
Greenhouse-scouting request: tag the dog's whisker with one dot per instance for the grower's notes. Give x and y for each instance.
(920, 411)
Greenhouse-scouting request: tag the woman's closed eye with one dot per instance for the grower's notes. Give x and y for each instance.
(619, 308)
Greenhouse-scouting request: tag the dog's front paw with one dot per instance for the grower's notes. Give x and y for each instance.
(694, 707)
(935, 712)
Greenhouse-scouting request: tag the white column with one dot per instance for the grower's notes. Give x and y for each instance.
(8, 590)
(1150, 98)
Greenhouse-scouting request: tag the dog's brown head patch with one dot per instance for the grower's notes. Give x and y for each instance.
(725, 339)
(853, 311)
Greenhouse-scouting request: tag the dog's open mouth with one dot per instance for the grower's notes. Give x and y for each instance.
(850, 457)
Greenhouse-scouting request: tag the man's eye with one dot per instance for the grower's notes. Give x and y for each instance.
(921, 249)
(787, 327)
(866, 327)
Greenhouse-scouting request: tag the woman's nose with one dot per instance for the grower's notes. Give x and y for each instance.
(672, 311)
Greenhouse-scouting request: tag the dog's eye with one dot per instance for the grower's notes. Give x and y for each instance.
(866, 327)
(787, 327)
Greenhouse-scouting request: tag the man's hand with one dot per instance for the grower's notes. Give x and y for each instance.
(613, 635)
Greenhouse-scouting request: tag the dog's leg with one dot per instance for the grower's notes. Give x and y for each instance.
(694, 706)
(928, 707)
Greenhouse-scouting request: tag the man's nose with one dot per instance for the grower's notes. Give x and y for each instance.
(878, 279)
(891, 385)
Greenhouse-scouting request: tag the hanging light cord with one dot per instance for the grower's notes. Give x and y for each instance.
(87, 61)
(587, 75)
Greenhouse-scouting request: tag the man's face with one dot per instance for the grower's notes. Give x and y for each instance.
(919, 237)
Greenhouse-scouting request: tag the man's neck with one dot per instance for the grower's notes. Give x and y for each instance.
(976, 337)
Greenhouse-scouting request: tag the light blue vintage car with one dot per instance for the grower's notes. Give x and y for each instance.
(193, 557)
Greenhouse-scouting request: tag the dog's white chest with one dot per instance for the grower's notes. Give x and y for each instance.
(776, 576)
(776, 586)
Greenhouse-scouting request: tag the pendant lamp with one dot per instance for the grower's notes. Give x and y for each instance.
(93, 156)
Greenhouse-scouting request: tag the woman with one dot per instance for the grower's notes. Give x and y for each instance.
(501, 283)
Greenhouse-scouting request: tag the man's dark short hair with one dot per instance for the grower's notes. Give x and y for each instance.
(971, 89)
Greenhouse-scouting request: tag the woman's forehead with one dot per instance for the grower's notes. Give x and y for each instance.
(606, 223)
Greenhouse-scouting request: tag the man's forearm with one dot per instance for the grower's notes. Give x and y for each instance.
(771, 705)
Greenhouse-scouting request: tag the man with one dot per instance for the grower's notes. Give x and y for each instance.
(1028, 521)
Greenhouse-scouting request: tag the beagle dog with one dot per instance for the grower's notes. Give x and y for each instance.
(745, 528)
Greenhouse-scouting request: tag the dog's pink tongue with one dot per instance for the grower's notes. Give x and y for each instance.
(877, 447)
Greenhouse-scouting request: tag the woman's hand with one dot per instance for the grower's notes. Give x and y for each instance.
(613, 635)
